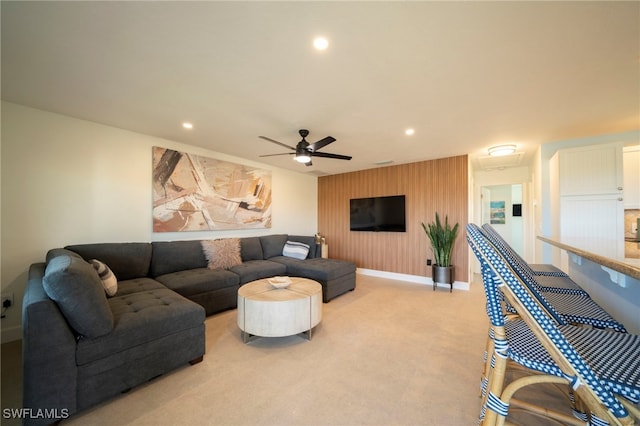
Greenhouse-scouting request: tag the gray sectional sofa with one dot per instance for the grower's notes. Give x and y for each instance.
(81, 347)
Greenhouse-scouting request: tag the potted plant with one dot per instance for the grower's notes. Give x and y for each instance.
(442, 237)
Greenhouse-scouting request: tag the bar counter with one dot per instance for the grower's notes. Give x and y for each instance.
(627, 266)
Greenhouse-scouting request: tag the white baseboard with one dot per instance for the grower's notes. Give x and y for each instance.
(10, 334)
(458, 285)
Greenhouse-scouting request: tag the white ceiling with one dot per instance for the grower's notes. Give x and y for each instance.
(464, 75)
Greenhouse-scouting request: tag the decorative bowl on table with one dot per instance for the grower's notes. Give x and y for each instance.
(280, 282)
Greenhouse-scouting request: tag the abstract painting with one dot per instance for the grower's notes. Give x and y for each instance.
(497, 213)
(195, 193)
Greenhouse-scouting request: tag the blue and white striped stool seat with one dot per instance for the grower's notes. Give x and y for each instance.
(622, 371)
(559, 284)
(577, 310)
(546, 269)
(525, 349)
(582, 310)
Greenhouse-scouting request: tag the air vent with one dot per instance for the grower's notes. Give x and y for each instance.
(317, 173)
(490, 163)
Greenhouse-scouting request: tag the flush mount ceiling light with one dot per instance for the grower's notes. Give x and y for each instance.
(320, 43)
(500, 150)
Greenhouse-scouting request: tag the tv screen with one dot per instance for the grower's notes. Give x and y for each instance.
(378, 214)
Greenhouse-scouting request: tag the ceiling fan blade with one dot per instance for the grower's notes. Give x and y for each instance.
(276, 142)
(273, 155)
(327, 155)
(321, 143)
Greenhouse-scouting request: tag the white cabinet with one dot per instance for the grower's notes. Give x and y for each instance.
(595, 169)
(590, 198)
(592, 223)
(631, 165)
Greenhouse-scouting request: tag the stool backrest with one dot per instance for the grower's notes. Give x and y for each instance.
(520, 267)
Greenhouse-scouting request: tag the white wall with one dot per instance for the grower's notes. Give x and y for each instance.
(69, 181)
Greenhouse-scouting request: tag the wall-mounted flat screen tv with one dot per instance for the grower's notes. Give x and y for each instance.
(378, 214)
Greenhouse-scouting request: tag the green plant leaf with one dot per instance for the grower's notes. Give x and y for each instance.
(442, 237)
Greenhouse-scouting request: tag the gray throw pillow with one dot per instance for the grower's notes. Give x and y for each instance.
(272, 245)
(250, 249)
(76, 288)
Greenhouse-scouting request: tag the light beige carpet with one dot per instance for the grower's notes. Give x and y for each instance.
(388, 353)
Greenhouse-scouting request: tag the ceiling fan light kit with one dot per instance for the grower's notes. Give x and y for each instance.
(302, 156)
(304, 150)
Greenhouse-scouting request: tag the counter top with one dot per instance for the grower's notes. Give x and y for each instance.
(626, 266)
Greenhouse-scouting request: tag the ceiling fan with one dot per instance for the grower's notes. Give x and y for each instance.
(304, 150)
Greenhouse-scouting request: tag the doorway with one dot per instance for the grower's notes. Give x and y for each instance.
(501, 207)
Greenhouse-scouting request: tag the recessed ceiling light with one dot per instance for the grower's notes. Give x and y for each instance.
(187, 125)
(500, 150)
(409, 132)
(320, 43)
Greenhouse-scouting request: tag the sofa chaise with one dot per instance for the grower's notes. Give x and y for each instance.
(81, 347)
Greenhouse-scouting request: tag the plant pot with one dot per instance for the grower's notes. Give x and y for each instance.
(442, 274)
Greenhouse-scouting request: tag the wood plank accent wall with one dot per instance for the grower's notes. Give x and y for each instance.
(429, 187)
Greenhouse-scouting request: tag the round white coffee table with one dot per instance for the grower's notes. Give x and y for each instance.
(267, 311)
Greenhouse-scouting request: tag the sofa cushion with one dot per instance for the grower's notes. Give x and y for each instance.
(272, 245)
(138, 285)
(196, 281)
(109, 281)
(310, 241)
(75, 286)
(258, 269)
(173, 256)
(295, 249)
(286, 261)
(222, 253)
(140, 318)
(251, 249)
(126, 260)
(60, 252)
(320, 269)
